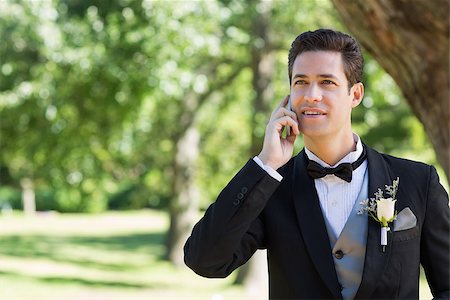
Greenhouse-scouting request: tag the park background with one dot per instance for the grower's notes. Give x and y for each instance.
(122, 120)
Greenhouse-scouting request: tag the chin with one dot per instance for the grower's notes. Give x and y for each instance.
(314, 132)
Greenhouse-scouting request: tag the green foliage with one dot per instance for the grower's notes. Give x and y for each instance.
(384, 119)
(94, 96)
(10, 198)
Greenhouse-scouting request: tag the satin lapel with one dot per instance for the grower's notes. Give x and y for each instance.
(375, 260)
(312, 224)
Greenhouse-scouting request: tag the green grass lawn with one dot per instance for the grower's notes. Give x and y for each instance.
(105, 256)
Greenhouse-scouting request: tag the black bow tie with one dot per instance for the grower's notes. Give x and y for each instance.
(343, 171)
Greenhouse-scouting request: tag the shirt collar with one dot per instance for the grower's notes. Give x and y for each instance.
(349, 158)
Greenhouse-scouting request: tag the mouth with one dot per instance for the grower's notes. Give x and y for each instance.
(313, 112)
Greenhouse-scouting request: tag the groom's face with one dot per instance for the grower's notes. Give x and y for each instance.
(320, 96)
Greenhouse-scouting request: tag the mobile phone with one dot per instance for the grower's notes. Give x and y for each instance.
(288, 128)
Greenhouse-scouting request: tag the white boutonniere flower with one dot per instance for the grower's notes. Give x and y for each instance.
(382, 209)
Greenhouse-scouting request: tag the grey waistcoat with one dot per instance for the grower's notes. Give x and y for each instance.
(350, 249)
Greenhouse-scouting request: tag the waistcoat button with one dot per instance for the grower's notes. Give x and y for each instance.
(339, 254)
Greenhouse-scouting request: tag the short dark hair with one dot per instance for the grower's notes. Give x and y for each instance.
(330, 40)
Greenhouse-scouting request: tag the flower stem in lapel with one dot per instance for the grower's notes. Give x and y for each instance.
(382, 209)
(384, 231)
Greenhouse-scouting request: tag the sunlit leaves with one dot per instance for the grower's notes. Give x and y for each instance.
(95, 94)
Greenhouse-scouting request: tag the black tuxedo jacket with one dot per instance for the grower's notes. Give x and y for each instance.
(254, 211)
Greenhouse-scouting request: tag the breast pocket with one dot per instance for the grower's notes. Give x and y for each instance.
(405, 235)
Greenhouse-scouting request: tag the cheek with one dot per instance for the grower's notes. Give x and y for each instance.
(296, 99)
(295, 94)
(345, 111)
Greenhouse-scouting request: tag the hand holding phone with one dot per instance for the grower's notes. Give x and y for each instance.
(278, 146)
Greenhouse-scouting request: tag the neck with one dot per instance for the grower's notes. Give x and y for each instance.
(331, 150)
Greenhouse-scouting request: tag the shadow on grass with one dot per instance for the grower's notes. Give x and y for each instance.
(54, 248)
(76, 280)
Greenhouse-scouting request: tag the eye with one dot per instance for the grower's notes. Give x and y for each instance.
(326, 81)
(300, 82)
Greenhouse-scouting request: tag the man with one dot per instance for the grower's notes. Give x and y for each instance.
(307, 214)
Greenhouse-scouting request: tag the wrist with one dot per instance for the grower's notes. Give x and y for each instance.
(267, 162)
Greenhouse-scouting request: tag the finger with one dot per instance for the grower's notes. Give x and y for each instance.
(294, 129)
(291, 138)
(282, 111)
(283, 102)
(288, 121)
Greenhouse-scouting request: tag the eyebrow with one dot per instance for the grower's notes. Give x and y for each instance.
(320, 75)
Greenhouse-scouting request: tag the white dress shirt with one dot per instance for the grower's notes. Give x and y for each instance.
(336, 196)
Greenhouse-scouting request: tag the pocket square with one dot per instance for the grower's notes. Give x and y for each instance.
(405, 220)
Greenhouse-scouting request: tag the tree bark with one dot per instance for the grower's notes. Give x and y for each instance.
(184, 204)
(410, 40)
(263, 68)
(28, 196)
(183, 210)
(254, 274)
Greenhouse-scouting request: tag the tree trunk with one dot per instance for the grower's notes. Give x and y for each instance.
(184, 206)
(183, 210)
(263, 69)
(254, 274)
(410, 40)
(28, 196)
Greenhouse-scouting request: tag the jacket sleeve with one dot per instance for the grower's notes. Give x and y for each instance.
(231, 229)
(435, 244)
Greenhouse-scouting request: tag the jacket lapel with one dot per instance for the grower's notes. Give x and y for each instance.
(312, 224)
(375, 260)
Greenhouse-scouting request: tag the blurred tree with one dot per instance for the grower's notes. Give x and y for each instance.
(416, 54)
(199, 69)
(262, 65)
(133, 104)
(74, 106)
(19, 52)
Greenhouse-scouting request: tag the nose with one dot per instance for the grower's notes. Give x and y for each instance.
(312, 93)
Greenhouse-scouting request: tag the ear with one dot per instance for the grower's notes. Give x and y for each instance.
(357, 91)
